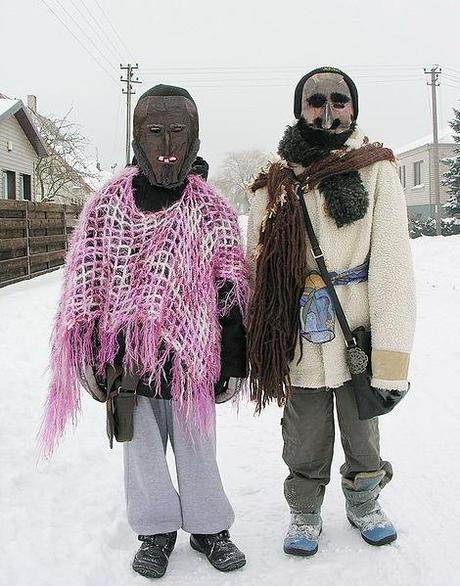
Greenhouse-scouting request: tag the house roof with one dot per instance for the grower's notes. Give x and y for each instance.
(445, 136)
(17, 109)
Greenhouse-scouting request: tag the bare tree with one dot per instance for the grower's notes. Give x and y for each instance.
(65, 171)
(235, 175)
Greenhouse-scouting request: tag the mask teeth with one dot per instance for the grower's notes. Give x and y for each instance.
(161, 158)
(172, 159)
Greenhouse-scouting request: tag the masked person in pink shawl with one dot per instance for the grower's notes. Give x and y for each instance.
(150, 321)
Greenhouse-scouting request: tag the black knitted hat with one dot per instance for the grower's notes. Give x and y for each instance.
(167, 90)
(299, 89)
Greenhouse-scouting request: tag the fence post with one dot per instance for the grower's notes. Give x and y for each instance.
(28, 240)
(66, 244)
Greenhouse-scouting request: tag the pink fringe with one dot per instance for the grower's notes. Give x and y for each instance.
(195, 247)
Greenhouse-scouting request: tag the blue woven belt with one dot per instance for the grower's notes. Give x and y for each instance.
(317, 314)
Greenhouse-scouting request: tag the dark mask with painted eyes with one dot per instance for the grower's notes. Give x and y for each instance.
(327, 103)
(166, 142)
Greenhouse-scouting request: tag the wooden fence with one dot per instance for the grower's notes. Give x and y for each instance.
(33, 238)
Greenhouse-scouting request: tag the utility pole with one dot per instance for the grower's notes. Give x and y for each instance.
(129, 92)
(434, 74)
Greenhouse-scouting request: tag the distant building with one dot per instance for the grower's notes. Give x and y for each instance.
(21, 146)
(416, 173)
(62, 177)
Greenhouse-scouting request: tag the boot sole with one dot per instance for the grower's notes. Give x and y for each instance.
(300, 552)
(384, 541)
(146, 573)
(229, 568)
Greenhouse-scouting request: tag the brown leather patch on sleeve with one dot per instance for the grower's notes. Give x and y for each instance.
(390, 365)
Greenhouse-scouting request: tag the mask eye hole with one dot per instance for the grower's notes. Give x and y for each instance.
(339, 101)
(177, 127)
(156, 128)
(316, 100)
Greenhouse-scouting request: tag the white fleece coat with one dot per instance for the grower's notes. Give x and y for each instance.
(385, 303)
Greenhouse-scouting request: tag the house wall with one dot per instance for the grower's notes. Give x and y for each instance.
(445, 151)
(74, 193)
(419, 197)
(21, 159)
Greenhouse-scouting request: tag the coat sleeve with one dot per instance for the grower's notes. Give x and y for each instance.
(391, 284)
(233, 356)
(256, 215)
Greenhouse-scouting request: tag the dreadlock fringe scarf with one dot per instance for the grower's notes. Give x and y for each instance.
(155, 277)
(281, 262)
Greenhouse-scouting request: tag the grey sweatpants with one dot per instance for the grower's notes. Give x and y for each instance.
(153, 504)
(308, 434)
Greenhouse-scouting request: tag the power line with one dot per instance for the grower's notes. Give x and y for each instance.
(279, 78)
(241, 83)
(456, 71)
(96, 30)
(85, 34)
(101, 28)
(455, 87)
(79, 41)
(452, 78)
(128, 52)
(265, 76)
(248, 68)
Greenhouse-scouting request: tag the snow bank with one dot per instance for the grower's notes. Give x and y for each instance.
(64, 522)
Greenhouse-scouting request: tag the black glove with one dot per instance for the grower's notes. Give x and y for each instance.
(390, 398)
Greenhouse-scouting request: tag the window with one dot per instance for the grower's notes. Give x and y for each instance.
(402, 175)
(9, 184)
(417, 173)
(26, 187)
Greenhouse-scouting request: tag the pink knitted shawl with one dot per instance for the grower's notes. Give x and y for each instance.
(155, 277)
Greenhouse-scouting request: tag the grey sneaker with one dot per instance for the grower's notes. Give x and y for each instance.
(151, 559)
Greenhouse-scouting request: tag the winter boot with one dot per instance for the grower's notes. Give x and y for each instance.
(303, 533)
(151, 559)
(363, 510)
(219, 549)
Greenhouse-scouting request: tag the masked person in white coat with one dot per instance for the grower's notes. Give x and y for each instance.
(297, 350)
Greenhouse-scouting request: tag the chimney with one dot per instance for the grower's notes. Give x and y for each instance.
(32, 103)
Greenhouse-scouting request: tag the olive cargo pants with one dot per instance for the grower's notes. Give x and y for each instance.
(308, 434)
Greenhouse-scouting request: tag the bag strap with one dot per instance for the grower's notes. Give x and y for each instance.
(318, 255)
(128, 381)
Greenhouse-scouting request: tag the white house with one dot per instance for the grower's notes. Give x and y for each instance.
(416, 172)
(20, 148)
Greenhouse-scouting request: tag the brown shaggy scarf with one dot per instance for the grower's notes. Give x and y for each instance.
(282, 266)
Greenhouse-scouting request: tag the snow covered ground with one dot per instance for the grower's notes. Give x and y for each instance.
(63, 523)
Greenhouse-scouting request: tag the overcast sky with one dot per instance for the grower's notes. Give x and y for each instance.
(240, 59)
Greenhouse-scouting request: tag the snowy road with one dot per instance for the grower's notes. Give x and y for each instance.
(63, 523)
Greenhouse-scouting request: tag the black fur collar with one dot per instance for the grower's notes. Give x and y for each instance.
(303, 144)
(346, 197)
(295, 149)
(152, 198)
